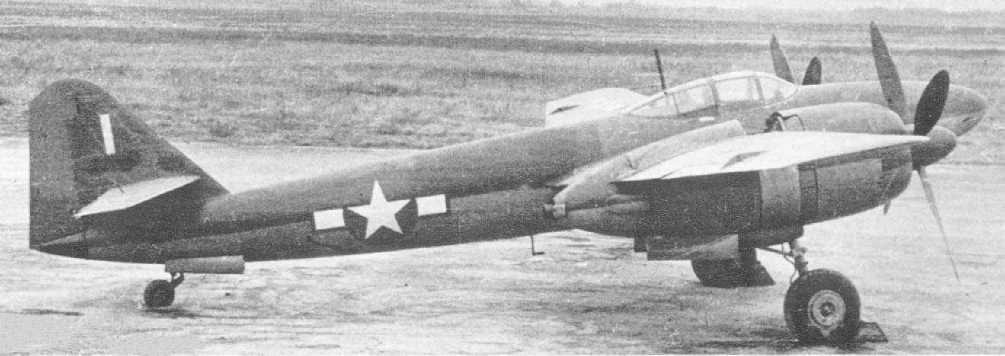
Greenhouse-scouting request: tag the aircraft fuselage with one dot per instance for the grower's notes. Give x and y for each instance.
(487, 189)
(481, 190)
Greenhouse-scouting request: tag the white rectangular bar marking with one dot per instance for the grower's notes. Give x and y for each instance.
(328, 219)
(432, 205)
(106, 134)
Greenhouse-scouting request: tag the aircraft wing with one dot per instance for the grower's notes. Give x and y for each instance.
(594, 104)
(766, 151)
(767, 158)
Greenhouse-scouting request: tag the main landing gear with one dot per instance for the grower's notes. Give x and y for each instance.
(160, 293)
(821, 305)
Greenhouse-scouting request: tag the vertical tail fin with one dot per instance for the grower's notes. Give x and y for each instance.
(83, 144)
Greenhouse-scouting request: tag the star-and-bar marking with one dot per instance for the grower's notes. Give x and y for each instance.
(381, 213)
(329, 219)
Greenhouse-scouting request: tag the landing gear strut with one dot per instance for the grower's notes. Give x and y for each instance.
(821, 305)
(160, 293)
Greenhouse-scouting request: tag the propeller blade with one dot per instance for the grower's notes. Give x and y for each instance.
(779, 62)
(889, 80)
(813, 73)
(930, 196)
(932, 101)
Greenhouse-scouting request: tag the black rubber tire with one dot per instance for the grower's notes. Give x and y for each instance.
(822, 306)
(158, 294)
(719, 273)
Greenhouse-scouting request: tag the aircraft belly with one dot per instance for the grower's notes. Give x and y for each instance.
(275, 242)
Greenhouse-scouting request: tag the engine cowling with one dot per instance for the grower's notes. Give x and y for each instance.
(839, 117)
(773, 199)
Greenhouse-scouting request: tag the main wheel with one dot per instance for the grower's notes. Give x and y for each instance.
(822, 306)
(158, 294)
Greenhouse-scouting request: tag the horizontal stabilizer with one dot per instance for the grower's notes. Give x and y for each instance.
(767, 151)
(130, 195)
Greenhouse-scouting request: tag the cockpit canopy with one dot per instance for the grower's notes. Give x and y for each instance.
(730, 90)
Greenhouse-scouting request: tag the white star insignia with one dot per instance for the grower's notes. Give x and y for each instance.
(380, 212)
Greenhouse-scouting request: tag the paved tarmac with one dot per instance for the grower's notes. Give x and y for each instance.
(588, 294)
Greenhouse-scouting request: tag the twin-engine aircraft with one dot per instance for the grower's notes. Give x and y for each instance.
(707, 171)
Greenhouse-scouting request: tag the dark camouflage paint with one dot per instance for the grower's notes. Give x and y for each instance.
(496, 187)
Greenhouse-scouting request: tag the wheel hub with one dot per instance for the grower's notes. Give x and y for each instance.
(826, 310)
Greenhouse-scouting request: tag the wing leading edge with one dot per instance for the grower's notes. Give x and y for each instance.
(751, 189)
(773, 150)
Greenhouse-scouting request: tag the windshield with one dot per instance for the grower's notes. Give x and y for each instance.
(680, 101)
(694, 98)
(736, 90)
(739, 91)
(662, 106)
(775, 89)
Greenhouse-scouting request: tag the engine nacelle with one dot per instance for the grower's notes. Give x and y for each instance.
(772, 199)
(839, 117)
(590, 202)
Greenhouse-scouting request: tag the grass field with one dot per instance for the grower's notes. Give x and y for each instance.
(373, 75)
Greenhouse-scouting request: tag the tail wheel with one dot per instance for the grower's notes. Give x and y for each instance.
(822, 306)
(158, 294)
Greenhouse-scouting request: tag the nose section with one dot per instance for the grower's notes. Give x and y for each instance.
(965, 108)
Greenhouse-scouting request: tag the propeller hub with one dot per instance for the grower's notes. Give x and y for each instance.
(941, 141)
